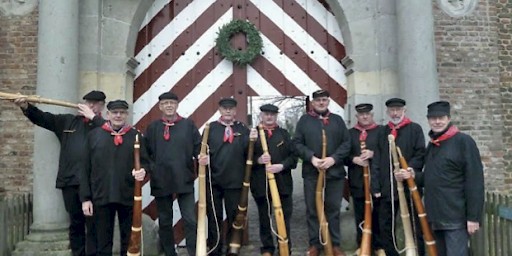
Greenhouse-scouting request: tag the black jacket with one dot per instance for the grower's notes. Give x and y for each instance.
(71, 130)
(454, 183)
(227, 160)
(355, 172)
(107, 177)
(281, 152)
(411, 141)
(308, 142)
(172, 169)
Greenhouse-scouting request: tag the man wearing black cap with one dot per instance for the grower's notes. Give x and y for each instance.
(308, 143)
(409, 138)
(365, 131)
(281, 156)
(172, 144)
(453, 180)
(106, 183)
(227, 142)
(71, 130)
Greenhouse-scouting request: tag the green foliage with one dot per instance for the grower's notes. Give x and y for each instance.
(254, 42)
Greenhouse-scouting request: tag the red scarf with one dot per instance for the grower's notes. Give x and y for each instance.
(362, 129)
(269, 128)
(118, 136)
(167, 126)
(394, 128)
(324, 117)
(228, 131)
(446, 135)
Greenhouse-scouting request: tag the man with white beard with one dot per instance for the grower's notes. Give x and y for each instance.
(411, 141)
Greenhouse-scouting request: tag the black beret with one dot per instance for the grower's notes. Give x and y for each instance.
(395, 102)
(438, 108)
(95, 96)
(168, 96)
(320, 93)
(227, 102)
(364, 107)
(117, 104)
(269, 108)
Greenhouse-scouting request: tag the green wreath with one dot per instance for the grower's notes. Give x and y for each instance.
(254, 42)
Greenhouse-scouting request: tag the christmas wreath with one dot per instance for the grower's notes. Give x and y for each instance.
(238, 56)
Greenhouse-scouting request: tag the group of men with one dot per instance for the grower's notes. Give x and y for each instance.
(98, 175)
(449, 169)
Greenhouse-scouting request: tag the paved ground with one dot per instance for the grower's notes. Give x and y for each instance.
(298, 229)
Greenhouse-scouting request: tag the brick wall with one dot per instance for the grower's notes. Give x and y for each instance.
(504, 9)
(18, 62)
(469, 77)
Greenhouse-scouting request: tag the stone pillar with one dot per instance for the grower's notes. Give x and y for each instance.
(57, 78)
(417, 69)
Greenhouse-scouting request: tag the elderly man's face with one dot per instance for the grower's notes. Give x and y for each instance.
(117, 117)
(396, 114)
(228, 113)
(168, 107)
(438, 123)
(268, 118)
(320, 104)
(364, 118)
(95, 106)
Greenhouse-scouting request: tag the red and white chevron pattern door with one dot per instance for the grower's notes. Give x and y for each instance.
(302, 52)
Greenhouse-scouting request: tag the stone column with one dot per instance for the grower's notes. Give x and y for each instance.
(417, 69)
(57, 78)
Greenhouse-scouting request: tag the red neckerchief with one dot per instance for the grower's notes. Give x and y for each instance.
(362, 129)
(167, 125)
(118, 136)
(228, 131)
(446, 135)
(394, 127)
(269, 128)
(324, 117)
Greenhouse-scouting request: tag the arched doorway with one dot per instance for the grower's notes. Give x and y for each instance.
(302, 52)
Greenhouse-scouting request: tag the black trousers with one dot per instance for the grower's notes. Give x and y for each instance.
(164, 204)
(359, 217)
(230, 197)
(105, 218)
(452, 242)
(264, 211)
(386, 227)
(82, 232)
(332, 206)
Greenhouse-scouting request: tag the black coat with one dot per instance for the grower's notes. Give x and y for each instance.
(355, 172)
(454, 183)
(281, 151)
(71, 130)
(308, 142)
(411, 141)
(227, 160)
(108, 174)
(172, 169)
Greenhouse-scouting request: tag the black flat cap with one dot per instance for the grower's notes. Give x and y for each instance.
(227, 102)
(320, 93)
(395, 102)
(269, 108)
(168, 96)
(95, 96)
(364, 108)
(438, 108)
(117, 104)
